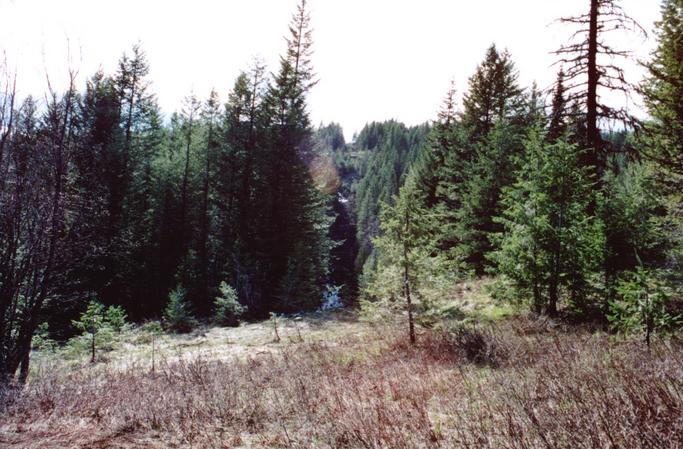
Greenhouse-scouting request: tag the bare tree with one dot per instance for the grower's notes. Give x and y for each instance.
(34, 223)
(590, 67)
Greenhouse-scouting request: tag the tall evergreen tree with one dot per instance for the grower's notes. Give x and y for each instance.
(493, 94)
(297, 223)
(663, 93)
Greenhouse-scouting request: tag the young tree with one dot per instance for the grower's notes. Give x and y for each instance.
(404, 249)
(99, 323)
(637, 231)
(177, 317)
(642, 305)
(228, 308)
(550, 243)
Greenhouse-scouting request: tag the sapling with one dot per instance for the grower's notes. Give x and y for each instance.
(228, 308)
(274, 318)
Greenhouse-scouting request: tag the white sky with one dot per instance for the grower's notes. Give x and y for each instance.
(375, 59)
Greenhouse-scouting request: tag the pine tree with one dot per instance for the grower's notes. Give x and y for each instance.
(663, 93)
(635, 223)
(557, 127)
(404, 250)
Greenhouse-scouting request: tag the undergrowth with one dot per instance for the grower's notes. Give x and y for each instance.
(520, 383)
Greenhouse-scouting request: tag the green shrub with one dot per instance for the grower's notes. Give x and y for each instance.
(228, 308)
(641, 307)
(116, 318)
(177, 317)
(99, 326)
(41, 339)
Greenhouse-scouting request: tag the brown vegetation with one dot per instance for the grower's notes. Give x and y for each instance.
(520, 384)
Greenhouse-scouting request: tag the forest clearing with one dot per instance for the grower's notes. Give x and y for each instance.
(333, 381)
(195, 254)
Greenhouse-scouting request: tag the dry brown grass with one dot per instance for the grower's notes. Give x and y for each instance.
(528, 385)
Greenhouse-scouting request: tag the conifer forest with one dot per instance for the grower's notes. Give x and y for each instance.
(232, 273)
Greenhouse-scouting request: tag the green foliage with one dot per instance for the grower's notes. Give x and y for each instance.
(177, 317)
(116, 317)
(550, 242)
(663, 94)
(641, 305)
(636, 224)
(496, 161)
(493, 93)
(41, 338)
(92, 320)
(386, 151)
(228, 308)
(149, 331)
(100, 326)
(406, 253)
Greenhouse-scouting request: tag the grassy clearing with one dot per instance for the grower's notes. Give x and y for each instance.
(517, 383)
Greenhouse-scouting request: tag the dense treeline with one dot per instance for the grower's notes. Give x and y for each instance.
(373, 168)
(101, 198)
(573, 217)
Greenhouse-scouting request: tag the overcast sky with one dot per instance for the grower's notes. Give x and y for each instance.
(375, 59)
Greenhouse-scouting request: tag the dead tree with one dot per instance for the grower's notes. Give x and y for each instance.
(590, 67)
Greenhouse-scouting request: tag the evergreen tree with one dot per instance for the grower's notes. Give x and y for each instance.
(404, 249)
(177, 316)
(550, 244)
(297, 224)
(557, 127)
(663, 93)
(635, 223)
(493, 94)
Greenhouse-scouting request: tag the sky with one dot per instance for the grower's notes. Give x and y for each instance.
(375, 59)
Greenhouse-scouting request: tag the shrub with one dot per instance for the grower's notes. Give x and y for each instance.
(228, 308)
(473, 344)
(116, 318)
(177, 317)
(99, 326)
(41, 338)
(642, 305)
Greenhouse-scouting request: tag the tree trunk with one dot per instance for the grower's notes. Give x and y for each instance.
(92, 348)
(406, 281)
(186, 173)
(592, 131)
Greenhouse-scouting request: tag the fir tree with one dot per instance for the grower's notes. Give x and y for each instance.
(663, 93)
(549, 244)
